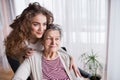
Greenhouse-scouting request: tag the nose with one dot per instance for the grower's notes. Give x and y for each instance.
(41, 28)
(53, 41)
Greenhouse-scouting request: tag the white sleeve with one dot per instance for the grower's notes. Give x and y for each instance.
(23, 72)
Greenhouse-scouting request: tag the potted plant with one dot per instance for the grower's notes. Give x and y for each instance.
(91, 64)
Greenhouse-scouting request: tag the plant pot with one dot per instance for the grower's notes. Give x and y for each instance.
(97, 77)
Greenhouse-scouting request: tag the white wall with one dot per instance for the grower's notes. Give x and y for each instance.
(114, 42)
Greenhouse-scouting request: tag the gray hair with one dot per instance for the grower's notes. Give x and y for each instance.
(54, 27)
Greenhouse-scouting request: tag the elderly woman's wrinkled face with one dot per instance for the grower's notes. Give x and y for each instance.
(39, 25)
(51, 40)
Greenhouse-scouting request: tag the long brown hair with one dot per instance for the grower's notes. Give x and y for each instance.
(21, 27)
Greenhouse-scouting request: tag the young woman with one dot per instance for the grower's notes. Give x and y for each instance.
(49, 63)
(28, 29)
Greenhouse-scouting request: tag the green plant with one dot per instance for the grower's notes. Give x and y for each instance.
(91, 63)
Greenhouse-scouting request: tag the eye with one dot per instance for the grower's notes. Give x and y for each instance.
(48, 38)
(57, 38)
(44, 24)
(36, 24)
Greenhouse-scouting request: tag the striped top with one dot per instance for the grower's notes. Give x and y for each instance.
(53, 70)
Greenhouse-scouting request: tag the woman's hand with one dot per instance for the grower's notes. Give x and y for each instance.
(75, 69)
(28, 52)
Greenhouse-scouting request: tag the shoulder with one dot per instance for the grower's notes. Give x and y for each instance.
(63, 52)
(34, 59)
(63, 55)
(35, 55)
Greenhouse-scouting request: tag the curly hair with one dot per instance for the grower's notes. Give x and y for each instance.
(21, 27)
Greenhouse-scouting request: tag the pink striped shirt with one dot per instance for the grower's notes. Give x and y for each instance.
(53, 70)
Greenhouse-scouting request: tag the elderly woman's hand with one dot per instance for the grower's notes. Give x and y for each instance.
(75, 69)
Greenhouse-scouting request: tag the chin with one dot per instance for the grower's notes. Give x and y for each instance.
(40, 36)
(54, 50)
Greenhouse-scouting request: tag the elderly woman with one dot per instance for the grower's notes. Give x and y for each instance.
(49, 63)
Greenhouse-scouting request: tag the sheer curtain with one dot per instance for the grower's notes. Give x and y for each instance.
(113, 70)
(6, 16)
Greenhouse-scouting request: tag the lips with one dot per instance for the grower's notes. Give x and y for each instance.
(53, 46)
(39, 33)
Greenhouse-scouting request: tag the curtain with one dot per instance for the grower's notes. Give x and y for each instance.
(113, 68)
(6, 17)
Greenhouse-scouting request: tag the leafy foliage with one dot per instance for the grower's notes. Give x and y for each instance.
(91, 62)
